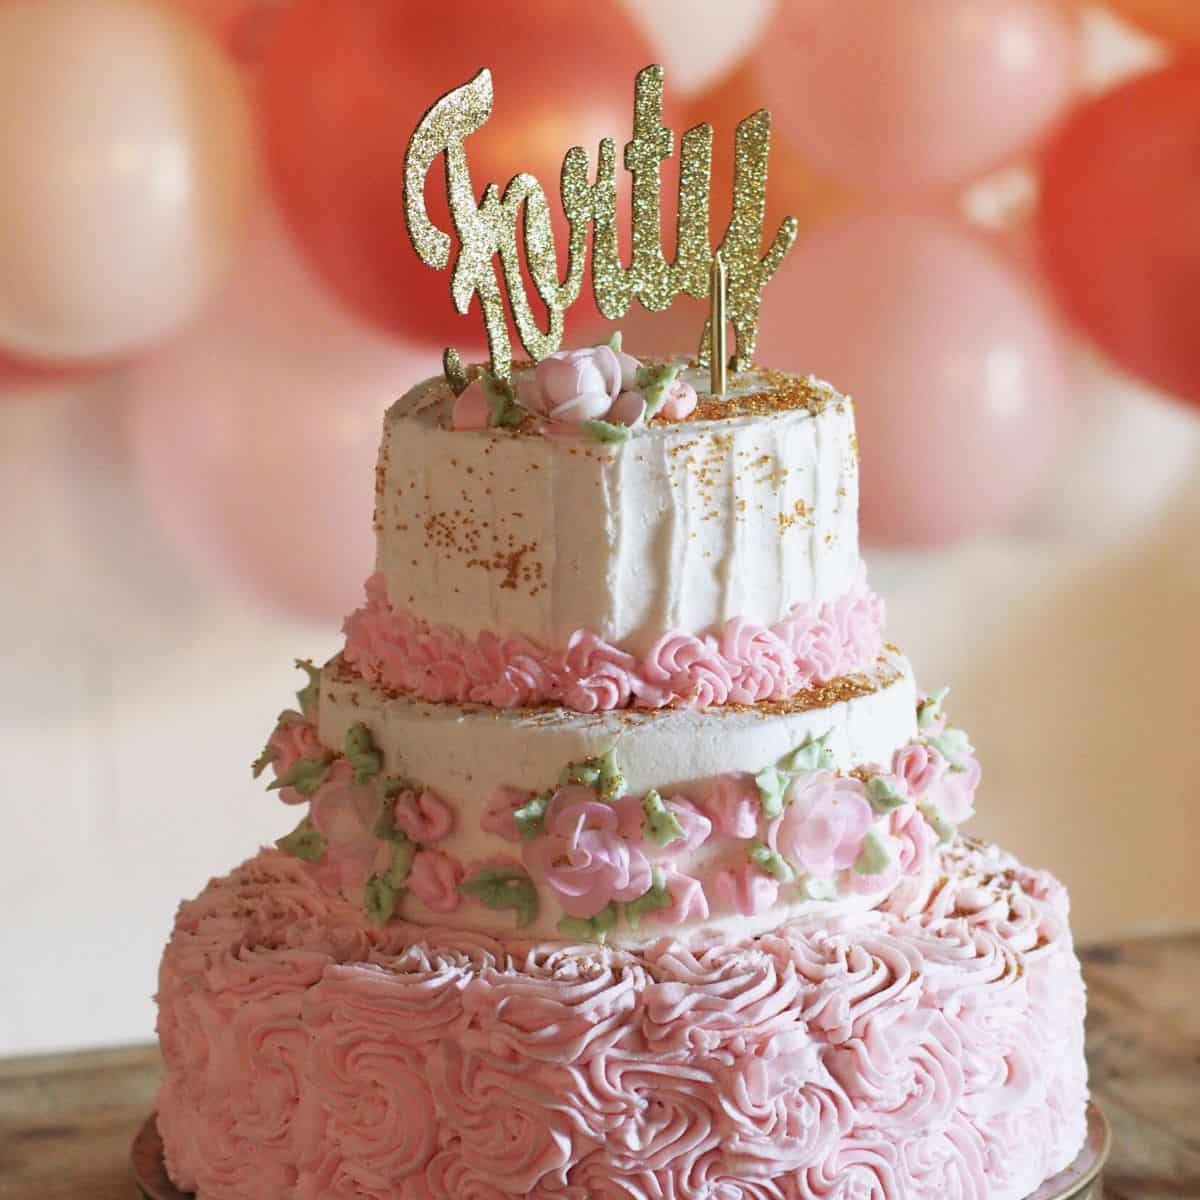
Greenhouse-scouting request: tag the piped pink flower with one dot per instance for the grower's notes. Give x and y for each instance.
(680, 401)
(920, 766)
(688, 901)
(573, 386)
(732, 804)
(583, 856)
(953, 793)
(821, 829)
(344, 814)
(424, 816)
(472, 410)
(746, 890)
(497, 817)
(434, 880)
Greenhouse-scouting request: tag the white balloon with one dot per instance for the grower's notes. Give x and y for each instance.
(126, 175)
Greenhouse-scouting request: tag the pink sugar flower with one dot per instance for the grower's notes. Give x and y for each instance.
(434, 880)
(583, 856)
(822, 828)
(920, 766)
(344, 814)
(573, 386)
(680, 401)
(732, 804)
(472, 409)
(424, 816)
(746, 890)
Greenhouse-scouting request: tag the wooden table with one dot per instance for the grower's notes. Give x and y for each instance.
(66, 1120)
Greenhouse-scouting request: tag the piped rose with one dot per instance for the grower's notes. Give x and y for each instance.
(821, 830)
(573, 386)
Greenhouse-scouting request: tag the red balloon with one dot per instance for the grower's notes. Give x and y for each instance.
(1120, 224)
(347, 81)
(952, 358)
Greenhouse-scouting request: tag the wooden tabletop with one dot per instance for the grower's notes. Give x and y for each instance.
(66, 1120)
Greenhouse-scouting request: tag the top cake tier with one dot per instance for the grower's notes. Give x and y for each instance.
(746, 509)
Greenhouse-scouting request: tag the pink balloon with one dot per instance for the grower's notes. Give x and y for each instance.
(917, 95)
(952, 357)
(255, 435)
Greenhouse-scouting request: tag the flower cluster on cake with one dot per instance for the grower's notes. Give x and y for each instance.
(627, 861)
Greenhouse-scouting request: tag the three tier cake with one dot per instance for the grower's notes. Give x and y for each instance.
(627, 861)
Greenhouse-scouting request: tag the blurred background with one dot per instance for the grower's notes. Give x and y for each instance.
(207, 299)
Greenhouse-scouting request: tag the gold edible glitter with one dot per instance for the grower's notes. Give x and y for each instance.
(488, 229)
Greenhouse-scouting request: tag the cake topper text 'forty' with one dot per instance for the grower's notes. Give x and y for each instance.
(490, 227)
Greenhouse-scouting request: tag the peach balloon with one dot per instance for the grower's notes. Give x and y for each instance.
(243, 28)
(952, 357)
(1176, 20)
(915, 96)
(254, 435)
(126, 171)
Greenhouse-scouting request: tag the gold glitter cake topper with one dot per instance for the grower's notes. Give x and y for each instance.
(489, 227)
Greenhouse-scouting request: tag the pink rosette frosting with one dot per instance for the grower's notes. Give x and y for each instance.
(822, 827)
(423, 816)
(583, 856)
(932, 1046)
(434, 879)
(738, 663)
(732, 804)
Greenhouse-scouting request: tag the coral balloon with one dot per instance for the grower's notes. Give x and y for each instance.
(244, 28)
(917, 95)
(1177, 20)
(255, 435)
(1120, 224)
(127, 177)
(345, 84)
(952, 358)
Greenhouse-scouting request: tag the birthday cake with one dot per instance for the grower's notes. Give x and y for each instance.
(627, 861)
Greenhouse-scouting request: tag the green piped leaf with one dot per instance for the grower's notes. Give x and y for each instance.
(884, 794)
(362, 754)
(930, 711)
(772, 863)
(811, 755)
(309, 696)
(379, 899)
(305, 775)
(654, 898)
(944, 830)
(530, 818)
(612, 782)
(654, 382)
(772, 790)
(661, 826)
(403, 853)
(818, 889)
(614, 341)
(605, 431)
(593, 929)
(582, 774)
(875, 857)
(504, 887)
(263, 761)
(304, 843)
(954, 746)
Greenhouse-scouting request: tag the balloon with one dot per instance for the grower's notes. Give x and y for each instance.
(346, 83)
(255, 435)
(126, 177)
(243, 28)
(793, 188)
(1120, 228)
(952, 358)
(1177, 20)
(917, 95)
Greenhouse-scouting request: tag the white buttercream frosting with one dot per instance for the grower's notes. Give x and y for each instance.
(467, 753)
(684, 526)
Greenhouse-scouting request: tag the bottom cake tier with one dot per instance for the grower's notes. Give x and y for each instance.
(932, 1047)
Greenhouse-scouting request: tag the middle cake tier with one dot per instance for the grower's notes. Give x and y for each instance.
(623, 825)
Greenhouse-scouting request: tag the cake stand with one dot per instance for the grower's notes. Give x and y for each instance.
(1080, 1181)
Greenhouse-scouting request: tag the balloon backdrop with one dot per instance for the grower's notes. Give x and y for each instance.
(255, 435)
(953, 361)
(1120, 224)
(1178, 20)
(243, 27)
(346, 83)
(127, 167)
(917, 95)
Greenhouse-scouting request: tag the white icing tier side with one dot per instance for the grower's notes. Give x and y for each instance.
(684, 526)
(714, 854)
